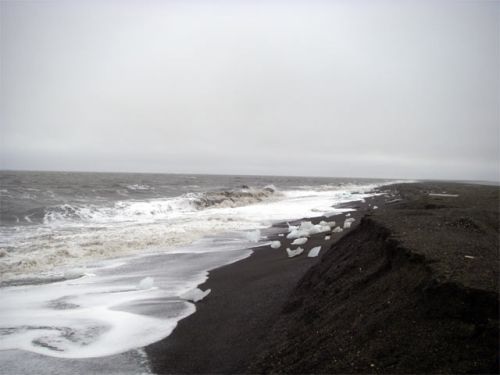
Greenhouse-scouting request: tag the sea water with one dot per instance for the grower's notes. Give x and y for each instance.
(95, 266)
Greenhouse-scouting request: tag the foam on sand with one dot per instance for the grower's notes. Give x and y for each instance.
(146, 283)
(115, 310)
(195, 294)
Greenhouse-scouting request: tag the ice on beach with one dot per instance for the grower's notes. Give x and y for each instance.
(299, 241)
(347, 224)
(294, 253)
(337, 230)
(275, 244)
(146, 283)
(314, 252)
(195, 294)
(281, 235)
(307, 228)
(443, 195)
(253, 236)
(350, 220)
(327, 238)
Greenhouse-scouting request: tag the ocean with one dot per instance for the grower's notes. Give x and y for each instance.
(95, 266)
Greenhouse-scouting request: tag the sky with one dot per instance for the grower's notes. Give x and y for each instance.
(385, 89)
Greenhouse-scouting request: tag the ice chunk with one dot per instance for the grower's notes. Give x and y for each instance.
(306, 229)
(327, 238)
(253, 236)
(281, 234)
(323, 228)
(314, 252)
(195, 294)
(299, 241)
(306, 225)
(294, 253)
(276, 244)
(351, 219)
(347, 224)
(375, 207)
(347, 215)
(296, 233)
(146, 283)
(337, 230)
(331, 224)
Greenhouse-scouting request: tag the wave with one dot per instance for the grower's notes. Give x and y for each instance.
(144, 210)
(139, 187)
(73, 234)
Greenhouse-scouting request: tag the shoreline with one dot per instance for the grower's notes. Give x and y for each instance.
(266, 313)
(224, 333)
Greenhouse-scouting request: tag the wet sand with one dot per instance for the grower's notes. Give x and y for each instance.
(413, 288)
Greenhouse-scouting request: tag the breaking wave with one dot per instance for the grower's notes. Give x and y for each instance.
(147, 210)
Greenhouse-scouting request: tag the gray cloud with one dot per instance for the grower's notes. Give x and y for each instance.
(303, 88)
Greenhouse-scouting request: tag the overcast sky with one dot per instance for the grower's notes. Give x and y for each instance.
(333, 88)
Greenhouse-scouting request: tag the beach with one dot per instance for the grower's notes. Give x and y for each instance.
(411, 287)
(95, 267)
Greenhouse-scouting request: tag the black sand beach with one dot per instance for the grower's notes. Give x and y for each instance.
(410, 288)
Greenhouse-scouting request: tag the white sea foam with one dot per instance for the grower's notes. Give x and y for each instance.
(146, 283)
(195, 294)
(107, 313)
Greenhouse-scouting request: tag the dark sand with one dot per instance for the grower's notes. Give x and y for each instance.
(412, 289)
